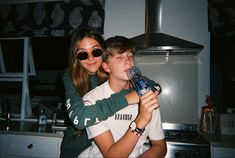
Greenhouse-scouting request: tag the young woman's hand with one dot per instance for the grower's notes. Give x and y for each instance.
(132, 98)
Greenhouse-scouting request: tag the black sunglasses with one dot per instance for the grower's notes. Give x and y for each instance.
(84, 55)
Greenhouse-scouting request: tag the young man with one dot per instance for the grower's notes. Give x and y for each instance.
(124, 134)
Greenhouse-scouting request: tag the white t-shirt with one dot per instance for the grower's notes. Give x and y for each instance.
(119, 123)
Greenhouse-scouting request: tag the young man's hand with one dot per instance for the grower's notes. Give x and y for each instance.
(148, 102)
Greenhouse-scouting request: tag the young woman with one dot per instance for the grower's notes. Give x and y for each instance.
(84, 74)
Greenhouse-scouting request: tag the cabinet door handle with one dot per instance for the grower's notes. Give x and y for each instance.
(30, 146)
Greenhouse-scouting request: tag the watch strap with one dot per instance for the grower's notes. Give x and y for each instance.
(137, 131)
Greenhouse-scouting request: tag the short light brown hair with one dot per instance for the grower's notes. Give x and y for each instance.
(117, 45)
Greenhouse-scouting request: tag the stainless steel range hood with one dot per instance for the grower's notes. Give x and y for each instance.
(155, 42)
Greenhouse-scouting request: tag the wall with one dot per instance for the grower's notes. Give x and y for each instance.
(177, 75)
(186, 19)
(124, 17)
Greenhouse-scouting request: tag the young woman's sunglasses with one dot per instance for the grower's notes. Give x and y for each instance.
(84, 55)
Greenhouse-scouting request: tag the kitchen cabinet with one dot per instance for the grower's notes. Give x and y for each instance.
(18, 75)
(20, 139)
(18, 145)
(222, 152)
(222, 146)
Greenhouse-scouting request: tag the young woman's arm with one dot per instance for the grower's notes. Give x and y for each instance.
(83, 116)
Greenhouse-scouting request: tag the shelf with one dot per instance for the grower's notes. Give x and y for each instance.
(28, 70)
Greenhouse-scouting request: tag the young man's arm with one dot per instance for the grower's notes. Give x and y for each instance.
(157, 150)
(156, 135)
(121, 148)
(126, 144)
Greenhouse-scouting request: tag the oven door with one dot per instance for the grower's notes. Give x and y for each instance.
(185, 150)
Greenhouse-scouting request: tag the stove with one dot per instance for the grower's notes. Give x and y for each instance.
(184, 141)
(182, 136)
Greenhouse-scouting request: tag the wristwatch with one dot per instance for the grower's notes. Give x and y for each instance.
(138, 131)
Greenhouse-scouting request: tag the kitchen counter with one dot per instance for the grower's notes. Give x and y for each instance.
(217, 140)
(30, 128)
(27, 139)
(221, 145)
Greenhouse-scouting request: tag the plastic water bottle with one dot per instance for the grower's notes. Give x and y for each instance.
(54, 118)
(42, 118)
(139, 83)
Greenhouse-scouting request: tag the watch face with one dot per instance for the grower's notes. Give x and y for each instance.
(133, 125)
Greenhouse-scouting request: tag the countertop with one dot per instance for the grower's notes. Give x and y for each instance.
(30, 128)
(218, 140)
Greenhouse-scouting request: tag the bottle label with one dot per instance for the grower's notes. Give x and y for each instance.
(137, 80)
(141, 87)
